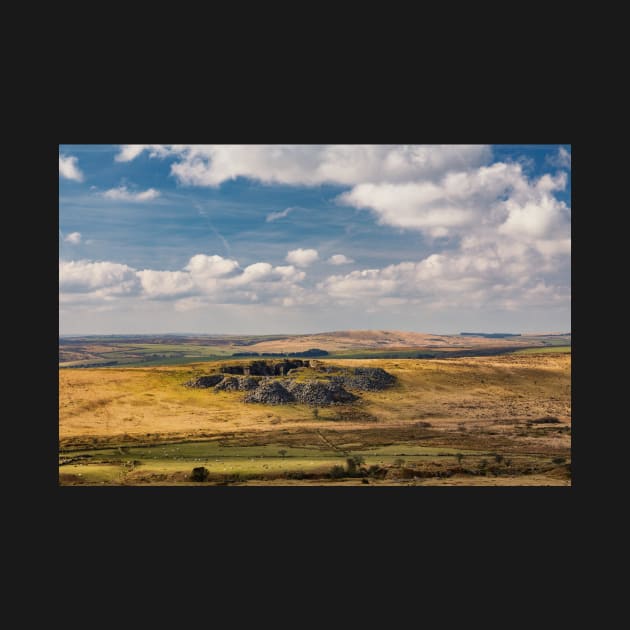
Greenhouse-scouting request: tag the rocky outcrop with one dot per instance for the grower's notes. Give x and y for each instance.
(368, 379)
(203, 382)
(319, 393)
(237, 383)
(270, 393)
(264, 368)
(328, 387)
(315, 393)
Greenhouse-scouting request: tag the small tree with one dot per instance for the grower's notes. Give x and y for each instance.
(315, 413)
(282, 452)
(399, 462)
(498, 458)
(352, 467)
(337, 472)
(200, 473)
(459, 458)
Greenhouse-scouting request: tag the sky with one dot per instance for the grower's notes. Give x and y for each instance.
(269, 239)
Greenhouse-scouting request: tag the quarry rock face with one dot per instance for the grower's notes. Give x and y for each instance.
(286, 381)
(203, 382)
(265, 368)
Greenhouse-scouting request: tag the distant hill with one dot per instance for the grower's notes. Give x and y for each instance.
(342, 340)
(489, 335)
(177, 349)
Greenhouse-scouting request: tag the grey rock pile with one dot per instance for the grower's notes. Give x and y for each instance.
(237, 383)
(368, 379)
(270, 393)
(319, 393)
(247, 383)
(228, 384)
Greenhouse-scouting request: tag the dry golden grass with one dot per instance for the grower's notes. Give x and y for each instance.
(471, 399)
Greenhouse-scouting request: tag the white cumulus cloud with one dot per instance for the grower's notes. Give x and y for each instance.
(83, 276)
(130, 152)
(562, 158)
(165, 284)
(215, 266)
(204, 281)
(69, 168)
(339, 259)
(302, 257)
(467, 202)
(122, 193)
(73, 238)
(486, 271)
(454, 202)
(289, 273)
(310, 165)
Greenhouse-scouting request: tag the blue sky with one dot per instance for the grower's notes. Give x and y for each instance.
(304, 238)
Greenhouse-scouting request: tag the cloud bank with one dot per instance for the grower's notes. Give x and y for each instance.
(310, 165)
(208, 279)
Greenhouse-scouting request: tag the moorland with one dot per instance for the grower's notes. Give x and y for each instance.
(468, 409)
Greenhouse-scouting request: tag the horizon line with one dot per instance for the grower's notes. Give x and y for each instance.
(327, 332)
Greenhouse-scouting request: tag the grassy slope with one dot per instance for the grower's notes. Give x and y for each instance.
(475, 406)
(544, 350)
(138, 401)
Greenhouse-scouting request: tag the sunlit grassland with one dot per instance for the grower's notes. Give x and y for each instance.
(545, 350)
(141, 425)
(113, 465)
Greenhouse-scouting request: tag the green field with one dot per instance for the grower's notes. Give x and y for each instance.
(135, 355)
(545, 350)
(243, 463)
